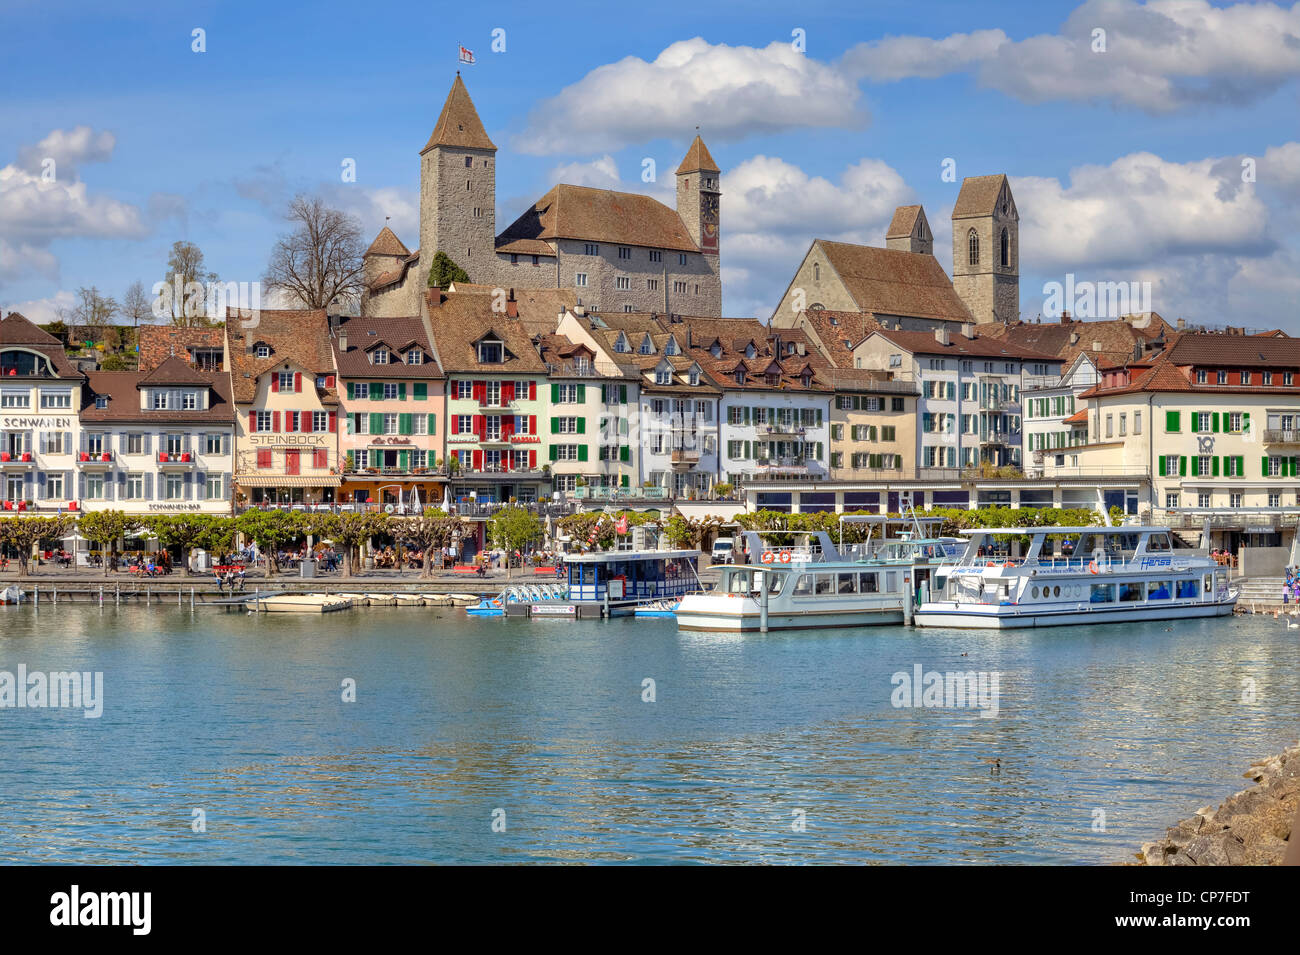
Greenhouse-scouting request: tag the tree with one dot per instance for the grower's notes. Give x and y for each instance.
(687, 533)
(319, 263)
(93, 310)
(270, 530)
(136, 304)
(187, 531)
(185, 268)
(429, 533)
(513, 528)
(444, 271)
(349, 530)
(116, 362)
(24, 533)
(106, 528)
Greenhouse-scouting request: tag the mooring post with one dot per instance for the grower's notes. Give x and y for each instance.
(36, 599)
(762, 600)
(117, 593)
(101, 595)
(178, 596)
(191, 600)
(56, 596)
(147, 596)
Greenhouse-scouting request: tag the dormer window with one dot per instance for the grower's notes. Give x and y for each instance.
(694, 377)
(415, 357)
(740, 377)
(620, 345)
(715, 350)
(807, 381)
(490, 353)
(750, 350)
(773, 379)
(379, 356)
(263, 351)
(101, 402)
(664, 376)
(647, 346)
(670, 347)
(160, 401)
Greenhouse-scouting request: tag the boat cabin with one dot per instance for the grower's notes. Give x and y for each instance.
(631, 575)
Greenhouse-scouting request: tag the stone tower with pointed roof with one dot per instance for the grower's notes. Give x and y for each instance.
(909, 231)
(385, 256)
(986, 249)
(458, 190)
(698, 196)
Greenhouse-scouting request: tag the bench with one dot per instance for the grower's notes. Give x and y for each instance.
(227, 568)
(544, 571)
(467, 569)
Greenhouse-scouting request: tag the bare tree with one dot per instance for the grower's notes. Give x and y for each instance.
(186, 263)
(92, 310)
(319, 263)
(136, 304)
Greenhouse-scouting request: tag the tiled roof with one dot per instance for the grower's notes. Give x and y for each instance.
(1235, 350)
(924, 343)
(297, 336)
(893, 282)
(697, 159)
(160, 342)
(1117, 338)
(1079, 417)
(122, 389)
(904, 221)
(462, 319)
(978, 196)
(600, 215)
(834, 328)
(395, 333)
(387, 243)
(734, 335)
(174, 371)
(458, 123)
(15, 329)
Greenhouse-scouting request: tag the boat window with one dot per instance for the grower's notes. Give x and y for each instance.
(1056, 591)
(1103, 593)
(1207, 583)
(738, 583)
(825, 583)
(848, 583)
(1034, 593)
(775, 582)
(1188, 588)
(867, 583)
(1130, 591)
(1158, 542)
(1157, 590)
(891, 581)
(804, 585)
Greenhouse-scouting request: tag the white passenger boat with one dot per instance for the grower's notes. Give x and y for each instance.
(802, 587)
(1074, 575)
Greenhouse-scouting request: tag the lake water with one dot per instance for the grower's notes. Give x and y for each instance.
(776, 748)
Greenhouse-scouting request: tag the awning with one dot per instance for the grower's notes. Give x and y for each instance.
(287, 480)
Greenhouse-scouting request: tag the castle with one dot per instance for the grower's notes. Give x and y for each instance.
(617, 251)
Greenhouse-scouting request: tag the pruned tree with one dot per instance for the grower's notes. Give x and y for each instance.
(348, 531)
(429, 532)
(24, 533)
(319, 263)
(106, 528)
(271, 530)
(188, 531)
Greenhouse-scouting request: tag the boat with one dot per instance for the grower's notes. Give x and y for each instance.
(409, 600)
(437, 600)
(301, 603)
(658, 608)
(807, 586)
(613, 583)
(488, 607)
(380, 600)
(12, 595)
(1074, 575)
(464, 600)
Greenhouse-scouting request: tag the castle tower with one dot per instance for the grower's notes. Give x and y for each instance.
(458, 190)
(909, 231)
(699, 193)
(385, 254)
(986, 249)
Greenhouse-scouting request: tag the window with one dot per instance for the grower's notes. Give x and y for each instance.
(174, 487)
(54, 443)
(1222, 377)
(681, 258)
(580, 279)
(263, 351)
(1203, 465)
(263, 421)
(135, 444)
(566, 452)
(14, 399)
(469, 161)
(1234, 422)
(213, 443)
(1202, 376)
(190, 401)
(490, 353)
(679, 288)
(656, 255)
(566, 425)
(1203, 499)
(377, 357)
(1235, 500)
(652, 284)
(134, 487)
(622, 282)
(320, 421)
(624, 252)
(1171, 500)
(1123, 425)
(1287, 378)
(566, 394)
(159, 400)
(973, 248)
(101, 402)
(665, 377)
(390, 391)
(414, 356)
(1274, 499)
(464, 389)
(1267, 377)
(212, 490)
(590, 248)
(56, 399)
(464, 424)
(1137, 422)
(173, 443)
(1005, 249)
(390, 423)
(1245, 377)
(94, 487)
(1110, 429)
(54, 485)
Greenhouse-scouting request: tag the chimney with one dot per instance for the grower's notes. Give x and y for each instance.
(343, 340)
(512, 307)
(1074, 338)
(1096, 346)
(1180, 324)
(801, 349)
(1065, 318)
(968, 329)
(580, 310)
(941, 335)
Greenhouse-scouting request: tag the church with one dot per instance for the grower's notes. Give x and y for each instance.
(615, 251)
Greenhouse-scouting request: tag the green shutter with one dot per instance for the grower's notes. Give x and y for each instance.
(1263, 464)
(401, 391)
(582, 426)
(625, 453)
(747, 451)
(1164, 466)
(352, 423)
(555, 452)
(404, 460)
(376, 423)
(624, 481)
(421, 390)
(555, 426)
(622, 394)
(1182, 462)
(404, 424)
(433, 424)
(604, 393)
(582, 452)
(1241, 465)
(376, 391)
(1245, 421)
(1171, 421)
(555, 394)
(1214, 422)
(819, 417)
(1214, 466)
(582, 393)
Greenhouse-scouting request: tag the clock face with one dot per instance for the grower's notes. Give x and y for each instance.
(709, 206)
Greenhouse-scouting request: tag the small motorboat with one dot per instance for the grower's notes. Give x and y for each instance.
(658, 608)
(437, 600)
(381, 600)
(12, 595)
(488, 607)
(409, 600)
(464, 600)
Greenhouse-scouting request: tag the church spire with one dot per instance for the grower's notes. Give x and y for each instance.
(697, 158)
(458, 124)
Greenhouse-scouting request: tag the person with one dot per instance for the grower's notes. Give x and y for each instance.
(220, 583)
(1286, 591)
(240, 579)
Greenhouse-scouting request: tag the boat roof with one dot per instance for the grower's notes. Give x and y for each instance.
(609, 556)
(1093, 529)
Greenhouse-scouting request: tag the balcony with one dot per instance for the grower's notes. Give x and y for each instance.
(88, 460)
(363, 474)
(495, 471)
(174, 460)
(16, 460)
(684, 459)
(782, 430)
(655, 493)
(1274, 436)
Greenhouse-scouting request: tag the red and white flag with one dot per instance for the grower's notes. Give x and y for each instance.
(466, 56)
(620, 526)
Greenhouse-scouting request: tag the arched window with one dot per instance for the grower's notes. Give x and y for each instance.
(973, 243)
(817, 272)
(1006, 249)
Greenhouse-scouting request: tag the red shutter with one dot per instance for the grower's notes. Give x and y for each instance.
(478, 460)
(320, 459)
(532, 424)
(532, 460)
(507, 426)
(275, 421)
(507, 392)
(532, 391)
(481, 387)
(334, 421)
(480, 426)
(297, 381)
(329, 381)
(252, 422)
(275, 381)
(291, 421)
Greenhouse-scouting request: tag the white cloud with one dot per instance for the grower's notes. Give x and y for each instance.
(599, 173)
(41, 310)
(729, 91)
(69, 149)
(1159, 56)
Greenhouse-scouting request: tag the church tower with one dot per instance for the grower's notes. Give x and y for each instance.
(458, 191)
(699, 193)
(986, 249)
(909, 231)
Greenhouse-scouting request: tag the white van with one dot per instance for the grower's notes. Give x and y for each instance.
(724, 550)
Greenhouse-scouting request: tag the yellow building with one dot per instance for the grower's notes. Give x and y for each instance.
(872, 426)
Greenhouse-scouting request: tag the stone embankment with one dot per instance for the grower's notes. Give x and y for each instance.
(1252, 827)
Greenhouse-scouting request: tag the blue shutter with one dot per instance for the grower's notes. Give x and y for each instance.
(148, 486)
(40, 485)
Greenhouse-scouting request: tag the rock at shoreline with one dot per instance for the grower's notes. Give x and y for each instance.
(1252, 827)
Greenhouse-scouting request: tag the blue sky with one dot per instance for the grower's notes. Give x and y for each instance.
(1126, 162)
